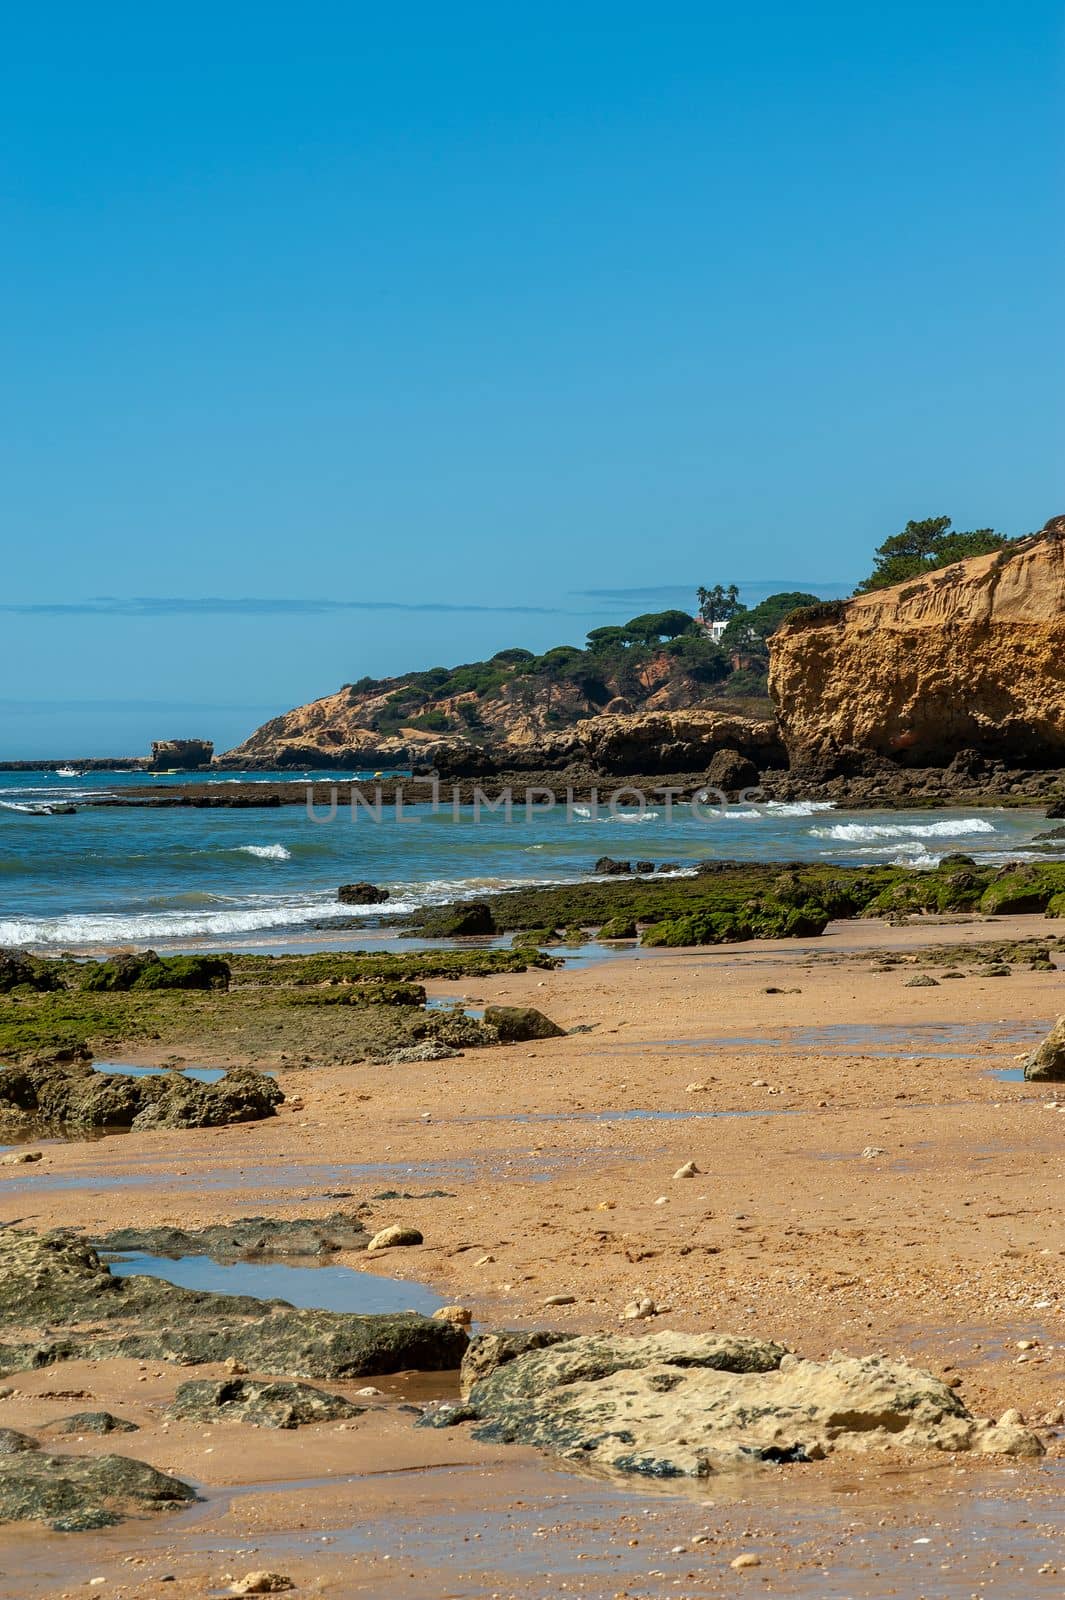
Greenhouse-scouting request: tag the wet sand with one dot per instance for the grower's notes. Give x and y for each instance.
(944, 1246)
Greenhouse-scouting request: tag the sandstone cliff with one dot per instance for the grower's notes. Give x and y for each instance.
(968, 658)
(518, 719)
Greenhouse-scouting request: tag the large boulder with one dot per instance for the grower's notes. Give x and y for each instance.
(1046, 1063)
(516, 1024)
(75, 1493)
(682, 1405)
(731, 772)
(275, 1404)
(361, 894)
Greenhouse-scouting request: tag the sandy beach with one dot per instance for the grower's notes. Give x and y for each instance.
(871, 1177)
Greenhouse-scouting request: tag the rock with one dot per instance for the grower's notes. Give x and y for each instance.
(245, 1237)
(606, 866)
(92, 1422)
(515, 1024)
(73, 1095)
(394, 1236)
(20, 1158)
(640, 1310)
(922, 981)
(146, 970)
(618, 928)
(266, 1405)
(998, 970)
(1046, 1063)
(461, 1316)
(61, 1303)
(730, 771)
(361, 894)
(561, 1300)
(262, 1583)
(20, 971)
(428, 1050)
(871, 1152)
(643, 866)
(12, 1443)
(75, 1493)
(748, 1559)
(487, 1351)
(688, 1170)
(963, 659)
(670, 1405)
(459, 922)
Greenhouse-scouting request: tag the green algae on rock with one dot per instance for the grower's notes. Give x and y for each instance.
(275, 1404)
(77, 1493)
(62, 1303)
(322, 1007)
(729, 901)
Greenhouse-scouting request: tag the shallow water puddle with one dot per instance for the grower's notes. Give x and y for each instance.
(319, 1288)
(864, 1038)
(124, 1070)
(495, 1166)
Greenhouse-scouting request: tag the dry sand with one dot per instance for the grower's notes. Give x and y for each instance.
(945, 1247)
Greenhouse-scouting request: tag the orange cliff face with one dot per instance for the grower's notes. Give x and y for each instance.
(968, 658)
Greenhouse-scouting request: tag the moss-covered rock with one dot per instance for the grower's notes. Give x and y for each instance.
(149, 971)
(618, 928)
(515, 1024)
(77, 1493)
(277, 1404)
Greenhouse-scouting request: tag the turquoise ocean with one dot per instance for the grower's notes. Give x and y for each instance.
(225, 878)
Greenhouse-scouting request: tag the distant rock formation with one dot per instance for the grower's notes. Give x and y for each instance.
(183, 754)
(967, 659)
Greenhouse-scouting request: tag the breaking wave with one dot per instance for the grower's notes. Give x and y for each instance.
(870, 832)
(265, 852)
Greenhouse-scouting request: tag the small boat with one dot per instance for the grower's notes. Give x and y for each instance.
(68, 772)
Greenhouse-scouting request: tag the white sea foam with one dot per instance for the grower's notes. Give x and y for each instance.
(265, 852)
(869, 832)
(798, 808)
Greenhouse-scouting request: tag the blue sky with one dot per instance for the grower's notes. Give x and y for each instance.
(339, 340)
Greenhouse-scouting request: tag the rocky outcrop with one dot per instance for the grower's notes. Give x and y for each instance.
(183, 754)
(74, 1095)
(645, 743)
(76, 1493)
(59, 1302)
(278, 1404)
(245, 1237)
(967, 659)
(685, 1405)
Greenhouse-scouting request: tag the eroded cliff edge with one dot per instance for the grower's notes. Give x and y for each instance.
(968, 658)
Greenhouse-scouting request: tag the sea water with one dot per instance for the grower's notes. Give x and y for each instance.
(136, 875)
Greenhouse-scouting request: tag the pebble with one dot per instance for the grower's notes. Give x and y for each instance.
(561, 1300)
(663, 1200)
(871, 1151)
(639, 1310)
(368, 1391)
(746, 1560)
(688, 1170)
(20, 1158)
(233, 1365)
